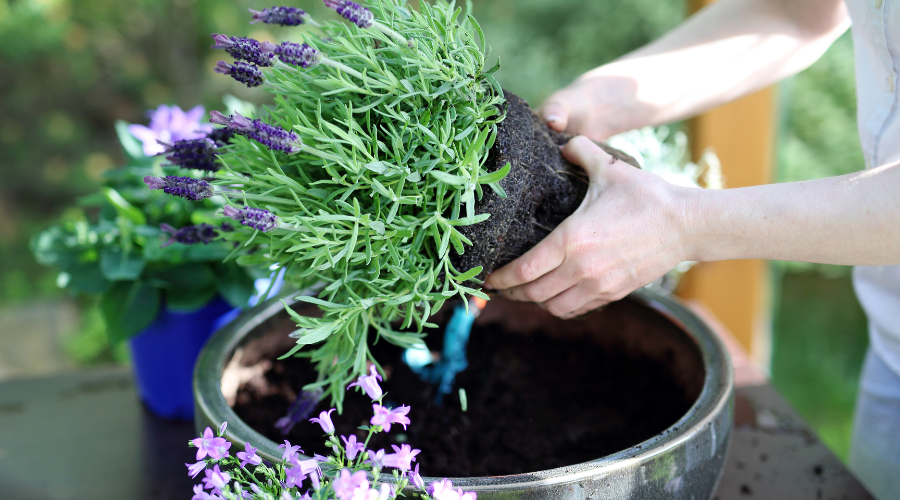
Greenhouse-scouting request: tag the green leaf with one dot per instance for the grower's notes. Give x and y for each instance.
(453, 180)
(130, 143)
(496, 176)
(123, 208)
(471, 273)
(118, 265)
(128, 308)
(233, 284)
(189, 299)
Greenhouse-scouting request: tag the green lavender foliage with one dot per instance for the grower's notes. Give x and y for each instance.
(391, 166)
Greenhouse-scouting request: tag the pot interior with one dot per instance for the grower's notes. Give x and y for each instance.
(540, 392)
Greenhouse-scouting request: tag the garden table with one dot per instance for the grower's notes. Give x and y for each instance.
(85, 435)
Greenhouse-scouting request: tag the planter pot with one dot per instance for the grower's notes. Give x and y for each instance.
(681, 461)
(163, 356)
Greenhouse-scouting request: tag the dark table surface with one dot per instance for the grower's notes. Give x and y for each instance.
(85, 435)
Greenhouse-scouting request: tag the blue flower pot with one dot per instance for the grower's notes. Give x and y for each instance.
(163, 356)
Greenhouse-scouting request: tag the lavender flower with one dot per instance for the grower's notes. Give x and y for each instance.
(245, 73)
(242, 49)
(385, 417)
(347, 485)
(190, 235)
(248, 456)
(257, 218)
(297, 54)
(289, 451)
(221, 136)
(325, 421)
(353, 12)
(194, 469)
(199, 154)
(268, 135)
(416, 479)
(299, 410)
(169, 124)
(215, 479)
(285, 16)
(184, 187)
(401, 458)
(369, 383)
(352, 446)
(215, 447)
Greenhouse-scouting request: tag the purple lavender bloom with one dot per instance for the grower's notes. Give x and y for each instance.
(385, 417)
(369, 383)
(289, 451)
(402, 457)
(183, 187)
(248, 456)
(169, 124)
(284, 16)
(215, 447)
(245, 73)
(375, 458)
(242, 49)
(215, 479)
(192, 153)
(353, 12)
(416, 479)
(194, 469)
(297, 54)
(293, 477)
(352, 446)
(347, 485)
(299, 410)
(325, 421)
(190, 235)
(221, 136)
(270, 136)
(257, 218)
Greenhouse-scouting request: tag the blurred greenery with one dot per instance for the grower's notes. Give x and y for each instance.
(69, 69)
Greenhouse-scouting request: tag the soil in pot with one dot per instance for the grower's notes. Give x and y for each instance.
(541, 393)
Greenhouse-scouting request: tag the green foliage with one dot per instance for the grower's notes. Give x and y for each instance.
(391, 165)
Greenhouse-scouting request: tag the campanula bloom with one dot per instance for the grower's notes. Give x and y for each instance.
(402, 457)
(353, 12)
(293, 477)
(248, 456)
(257, 218)
(198, 154)
(169, 124)
(289, 451)
(208, 444)
(194, 469)
(386, 417)
(347, 485)
(246, 73)
(375, 458)
(352, 446)
(215, 479)
(369, 383)
(443, 490)
(199, 494)
(243, 49)
(416, 479)
(324, 420)
(183, 187)
(270, 136)
(284, 16)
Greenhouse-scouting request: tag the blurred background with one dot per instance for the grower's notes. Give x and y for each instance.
(69, 69)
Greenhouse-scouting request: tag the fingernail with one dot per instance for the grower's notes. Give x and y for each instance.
(553, 118)
(488, 287)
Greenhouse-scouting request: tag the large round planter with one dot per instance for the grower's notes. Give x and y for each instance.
(683, 462)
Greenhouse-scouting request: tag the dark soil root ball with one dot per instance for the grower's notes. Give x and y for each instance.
(542, 189)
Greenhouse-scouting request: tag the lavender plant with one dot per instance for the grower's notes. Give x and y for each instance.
(356, 178)
(351, 472)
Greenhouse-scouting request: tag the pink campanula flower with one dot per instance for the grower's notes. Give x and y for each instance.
(347, 485)
(325, 421)
(215, 447)
(385, 417)
(169, 124)
(293, 477)
(249, 456)
(369, 383)
(416, 479)
(402, 457)
(215, 479)
(443, 490)
(375, 459)
(352, 446)
(289, 451)
(194, 469)
(199, 494)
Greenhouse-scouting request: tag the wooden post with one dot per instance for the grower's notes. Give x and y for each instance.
(738, 292)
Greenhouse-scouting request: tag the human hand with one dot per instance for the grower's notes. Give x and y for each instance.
(595, 106)
(629, 230)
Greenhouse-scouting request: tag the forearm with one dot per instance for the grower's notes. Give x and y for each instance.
(729, 49)
(850, 220)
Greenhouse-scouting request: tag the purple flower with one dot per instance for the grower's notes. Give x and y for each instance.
(325, 421)
(249, 456)
(385, 417)
(199, 154)
(223, 426)
(190, 235)
(221, 136)
(245, 73)
(289, 451)
(242, 49)
(183, 187)
(402, 457)
(194, 469)
(297, 54)
(169, 124)
(352, 446)
(375, 458)
(308, 466)
(293, 477)
(443, 490)
(215, 447)
(285, 16)
(199, 494)
(353, 12)
(268, 135)
(347, 485)
(416, 479)
(215, 479)
(299, 410)
(369, 383)
(257, 218)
